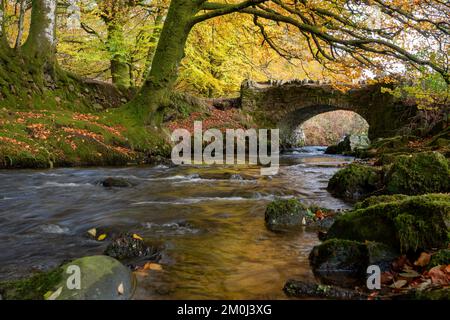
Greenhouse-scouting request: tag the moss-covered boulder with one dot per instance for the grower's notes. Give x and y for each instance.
(284, 214)
(442, 257)
(32, 288)
(344, 262)
(100, 278)
(355, 182)
(419, 173)
(339, 262)
(409, 224)
(371, 201)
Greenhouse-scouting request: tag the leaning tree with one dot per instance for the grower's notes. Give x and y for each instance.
(416, 32)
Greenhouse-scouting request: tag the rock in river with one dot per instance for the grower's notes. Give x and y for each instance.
(116, 183)
(129, 246)
(101, 278)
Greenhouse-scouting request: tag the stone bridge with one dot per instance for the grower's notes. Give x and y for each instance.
(287, 105)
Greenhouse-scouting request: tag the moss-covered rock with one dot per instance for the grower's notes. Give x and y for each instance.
(417, 222)
(33, 288)
(339, 262)
(442, 257)
(285, 214)
(371, 201)
(420, 173)
(355, 182)
(101, 278)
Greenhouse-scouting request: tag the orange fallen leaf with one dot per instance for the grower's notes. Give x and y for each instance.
(153, 266)
(447, 269)
(320, 215)
(423, 260)
(438, 275)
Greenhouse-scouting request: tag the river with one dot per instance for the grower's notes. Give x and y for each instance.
(210, 220)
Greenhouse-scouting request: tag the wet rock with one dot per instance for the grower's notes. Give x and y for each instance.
(102, 278)
(420, 173)
(130, 248)
(350, 144)
(381, 255)
(340, 262)
(283, 214)
(116, 183)
(305, 290)
(355, 182)
(408, 225)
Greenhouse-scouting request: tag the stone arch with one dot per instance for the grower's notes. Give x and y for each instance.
(289, 123)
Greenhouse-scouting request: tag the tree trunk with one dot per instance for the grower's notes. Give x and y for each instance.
(40, 47)
(3, 39)
(20, 25)
(153, 40)
(120, 69)
(155, 92)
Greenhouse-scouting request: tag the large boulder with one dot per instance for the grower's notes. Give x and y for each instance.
(344, 263)
(420, 173)
(102, 278)
(88, 278)
(409, 224)
(355, 182)
(285, 214)
(339, 262)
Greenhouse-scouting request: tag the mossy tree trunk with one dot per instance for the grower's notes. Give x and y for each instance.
(40, 47)
(155, 92)
(3, 39)
(120, 68)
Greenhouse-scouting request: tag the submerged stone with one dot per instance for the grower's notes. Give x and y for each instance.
(116, 183)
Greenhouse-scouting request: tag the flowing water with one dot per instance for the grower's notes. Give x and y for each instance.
(210, 220)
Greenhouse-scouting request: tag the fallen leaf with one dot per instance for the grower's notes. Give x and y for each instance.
(423, 260)
(399, 284)
(373, 295)
(410, 274)
(102, 237)
(120, 289)
(153, 266)
(438, 275)
(55, 294)
(93, 232)
(447, 269)
(137, 237)
(320, 215)
(386, 278)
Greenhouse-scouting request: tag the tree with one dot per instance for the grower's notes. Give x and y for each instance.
(335, 30)
(40, 47)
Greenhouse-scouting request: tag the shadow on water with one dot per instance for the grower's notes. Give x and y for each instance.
(211, 220)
